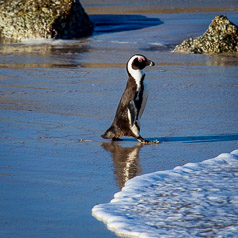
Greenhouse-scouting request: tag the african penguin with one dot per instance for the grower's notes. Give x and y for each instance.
(132, 103)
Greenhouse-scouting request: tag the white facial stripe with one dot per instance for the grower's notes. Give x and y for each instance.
(137, 74)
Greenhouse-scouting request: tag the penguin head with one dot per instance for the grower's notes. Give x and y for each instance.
(138, 63)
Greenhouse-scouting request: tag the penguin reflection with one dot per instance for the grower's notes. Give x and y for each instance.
(126, 161)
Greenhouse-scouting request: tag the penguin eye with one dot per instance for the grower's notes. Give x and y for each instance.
(141, 59)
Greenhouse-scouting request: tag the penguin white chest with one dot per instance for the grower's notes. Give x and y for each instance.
(144, 98)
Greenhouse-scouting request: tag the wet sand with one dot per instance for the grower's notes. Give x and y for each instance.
(57, 98)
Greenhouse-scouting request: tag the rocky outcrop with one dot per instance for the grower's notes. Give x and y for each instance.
(221, 36)
(31, 19)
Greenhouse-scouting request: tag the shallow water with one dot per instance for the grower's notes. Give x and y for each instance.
(58, 97)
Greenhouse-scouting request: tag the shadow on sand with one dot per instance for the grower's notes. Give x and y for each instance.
(108, 23)
(191, 139)
(200, 139)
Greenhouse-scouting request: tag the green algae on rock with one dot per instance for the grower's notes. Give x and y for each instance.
(65, 19)
(220, 37)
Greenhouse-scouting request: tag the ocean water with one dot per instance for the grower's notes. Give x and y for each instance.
(193, 200)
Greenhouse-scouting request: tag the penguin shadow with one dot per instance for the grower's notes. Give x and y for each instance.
(125, 160)
(189, 139)
(197, 139)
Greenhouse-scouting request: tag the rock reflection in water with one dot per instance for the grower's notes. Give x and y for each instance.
(43, 54)
(126, 161)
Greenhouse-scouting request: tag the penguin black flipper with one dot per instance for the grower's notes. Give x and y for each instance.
(133, 112)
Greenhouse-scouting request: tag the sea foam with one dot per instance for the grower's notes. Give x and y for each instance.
(43, 41)
(194, 200)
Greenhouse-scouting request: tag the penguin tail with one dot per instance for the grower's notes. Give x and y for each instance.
(109, 134)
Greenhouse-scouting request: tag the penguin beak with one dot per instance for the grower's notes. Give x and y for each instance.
(150, 63)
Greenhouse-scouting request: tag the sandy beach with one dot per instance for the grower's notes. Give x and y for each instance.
(58, 97)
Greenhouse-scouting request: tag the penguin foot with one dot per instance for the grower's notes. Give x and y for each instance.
(144, 141)
(149, 142)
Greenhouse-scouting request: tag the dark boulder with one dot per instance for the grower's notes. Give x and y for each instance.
(22, 19)
(221, 36)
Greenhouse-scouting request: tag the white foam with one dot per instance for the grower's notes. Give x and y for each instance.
(119, 42)
(157, 44)
(194, 200)
(38, 41)
(43, 41)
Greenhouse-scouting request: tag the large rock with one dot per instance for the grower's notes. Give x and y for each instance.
(221, 36)
(21, 19)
